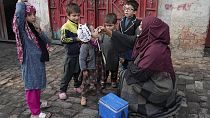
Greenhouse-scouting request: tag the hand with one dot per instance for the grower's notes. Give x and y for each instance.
(105, 30)
(37, 27)
(50, 49)
(101, 29)
(122, 60)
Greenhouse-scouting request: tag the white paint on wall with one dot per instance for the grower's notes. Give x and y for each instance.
(42, 15)
(188, 21)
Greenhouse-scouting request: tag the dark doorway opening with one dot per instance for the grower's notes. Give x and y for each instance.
(9, 9)
(207, 43)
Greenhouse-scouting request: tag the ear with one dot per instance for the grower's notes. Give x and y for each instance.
(68, 16)
(134, 12)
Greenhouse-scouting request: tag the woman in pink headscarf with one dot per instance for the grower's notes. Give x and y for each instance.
(149, 82)
(32, 54)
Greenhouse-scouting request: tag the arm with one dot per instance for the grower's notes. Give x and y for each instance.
(20, 14)
(68, 37)
(122, 41)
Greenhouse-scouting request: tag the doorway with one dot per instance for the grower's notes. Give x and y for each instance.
(207, 43)
(9, 10)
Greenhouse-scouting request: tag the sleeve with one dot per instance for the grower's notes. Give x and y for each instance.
(137, 24)
(20, 14)
(82, 58)
(136, 74)
(66, 38)
(122, 42)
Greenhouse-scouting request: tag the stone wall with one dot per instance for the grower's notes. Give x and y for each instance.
(188, 21)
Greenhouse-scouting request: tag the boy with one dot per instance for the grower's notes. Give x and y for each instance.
(128, 25)
(72, 47)
(111, 55)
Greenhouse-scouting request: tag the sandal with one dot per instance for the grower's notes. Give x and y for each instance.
(42, 115)
(44, 104)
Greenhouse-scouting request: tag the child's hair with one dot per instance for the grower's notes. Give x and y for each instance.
(111, 18)
(72, 8)
(133, 3)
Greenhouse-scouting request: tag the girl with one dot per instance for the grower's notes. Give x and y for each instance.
(32, 53)
(87, 59)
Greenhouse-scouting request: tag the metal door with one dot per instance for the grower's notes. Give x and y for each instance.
(146, 8)
(93, 11)
(3, 27)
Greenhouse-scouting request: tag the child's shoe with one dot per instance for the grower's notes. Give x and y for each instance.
(78, 90)
(103, 85)
(83, 101)
(62, 96)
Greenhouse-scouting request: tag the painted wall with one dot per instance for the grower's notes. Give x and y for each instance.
(42, 15)
(188, 20)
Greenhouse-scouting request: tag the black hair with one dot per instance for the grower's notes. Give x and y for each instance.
(133, 3)
(72, 8)
(111, 18)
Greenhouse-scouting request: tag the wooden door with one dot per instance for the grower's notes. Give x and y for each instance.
(3, 27)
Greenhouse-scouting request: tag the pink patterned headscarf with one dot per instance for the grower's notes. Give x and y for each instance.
(28, 9)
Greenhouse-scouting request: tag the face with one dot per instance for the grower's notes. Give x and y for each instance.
(94, 32)
(31, 17)
(110, 26)
(74, 17)
(129, 11)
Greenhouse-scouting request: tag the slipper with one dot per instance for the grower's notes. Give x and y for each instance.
(44, 104)
(48, 115)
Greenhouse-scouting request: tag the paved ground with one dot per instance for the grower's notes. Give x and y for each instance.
(12, 104)
(192, 79)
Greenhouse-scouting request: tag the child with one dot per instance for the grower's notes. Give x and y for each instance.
(32, 52)
(87, 59)
(111, 54)
(128, 25)
(72, 47)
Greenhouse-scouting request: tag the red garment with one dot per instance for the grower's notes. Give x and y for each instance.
(152, 46)
(33, 101)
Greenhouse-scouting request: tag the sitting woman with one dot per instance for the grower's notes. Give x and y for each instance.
(149, 82)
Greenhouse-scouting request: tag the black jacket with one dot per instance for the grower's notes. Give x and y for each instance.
(130, 29)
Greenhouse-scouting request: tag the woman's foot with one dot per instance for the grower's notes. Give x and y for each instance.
(83, 101)
(62, 96)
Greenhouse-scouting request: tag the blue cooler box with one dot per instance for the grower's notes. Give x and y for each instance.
(112, 106)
